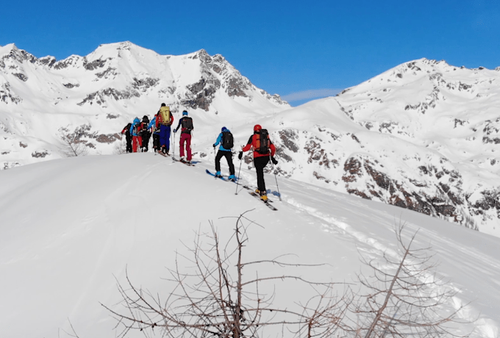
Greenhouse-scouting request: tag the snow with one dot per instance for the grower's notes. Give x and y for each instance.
(72, 227)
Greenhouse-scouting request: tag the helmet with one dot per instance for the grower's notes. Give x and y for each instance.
(184, 113)
(223, 129)
(163, 105)
(257, 127)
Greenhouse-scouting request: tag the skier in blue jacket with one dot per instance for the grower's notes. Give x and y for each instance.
(226, 152)
(135, 131)
(156, 134)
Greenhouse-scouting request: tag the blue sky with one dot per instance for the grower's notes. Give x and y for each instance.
(301, 50)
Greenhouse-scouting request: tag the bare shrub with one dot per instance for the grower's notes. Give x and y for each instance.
(214, 298)
(405, 298)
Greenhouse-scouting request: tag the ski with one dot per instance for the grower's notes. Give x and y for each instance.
(221, 177)
(162, 153)
(212, 174)
(268, 202)
(183, 161)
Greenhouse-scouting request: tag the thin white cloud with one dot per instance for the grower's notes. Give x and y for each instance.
(311, 94)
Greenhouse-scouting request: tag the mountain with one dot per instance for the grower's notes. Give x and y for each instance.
(95, 96)
(424, 135)
(73, 229)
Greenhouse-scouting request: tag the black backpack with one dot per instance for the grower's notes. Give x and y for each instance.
(227, 140)
(144, 128)
(187, 124)
(262, 142)
(138, 129)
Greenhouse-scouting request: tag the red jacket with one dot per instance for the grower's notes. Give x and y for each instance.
(158, 120)
(251, 144)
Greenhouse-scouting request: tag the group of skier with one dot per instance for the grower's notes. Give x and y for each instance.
(138, 134)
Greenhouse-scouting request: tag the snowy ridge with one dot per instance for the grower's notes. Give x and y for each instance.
(424, 135)
(90, 218)
(41, 99)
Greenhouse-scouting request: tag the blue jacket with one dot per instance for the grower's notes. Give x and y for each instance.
(136, 122)
(153, 124)
(219, 140)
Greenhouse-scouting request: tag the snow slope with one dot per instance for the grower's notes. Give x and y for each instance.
(71, 227)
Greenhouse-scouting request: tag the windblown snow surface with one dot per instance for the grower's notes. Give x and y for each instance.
(71, 228)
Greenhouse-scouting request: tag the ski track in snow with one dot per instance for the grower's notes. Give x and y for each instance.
(487, 327)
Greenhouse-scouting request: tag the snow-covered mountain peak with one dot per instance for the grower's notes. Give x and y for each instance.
(103, 91)
(426, 137)
(10, 53)
(119, 50)
(7, 49)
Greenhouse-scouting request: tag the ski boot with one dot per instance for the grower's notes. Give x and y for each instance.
(263, 196)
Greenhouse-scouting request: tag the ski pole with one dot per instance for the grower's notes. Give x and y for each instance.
(190, 143)
(173, 148)
(276, 178)
(215, 162)
(239, 176)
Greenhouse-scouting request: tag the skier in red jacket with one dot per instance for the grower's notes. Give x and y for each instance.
(263, 150)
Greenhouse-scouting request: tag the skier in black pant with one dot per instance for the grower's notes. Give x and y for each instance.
(263, 150)
(225, 139)
(145, 133)
(128, 137)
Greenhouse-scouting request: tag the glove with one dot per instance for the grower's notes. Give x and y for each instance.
(275, 161)
(175, 131)
(214, 145)
(240, 155)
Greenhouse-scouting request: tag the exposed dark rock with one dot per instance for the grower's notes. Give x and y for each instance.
(445, 202)
(110, 138)
(99, 63)
(108, 73)
(47, 61)
(144, 84)
(100, 96)
(6, 96)
(70, 85)
(40, 154)
(21, 76)
(352, 170)
(202, 93)
(288, 138)
(236, 87)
